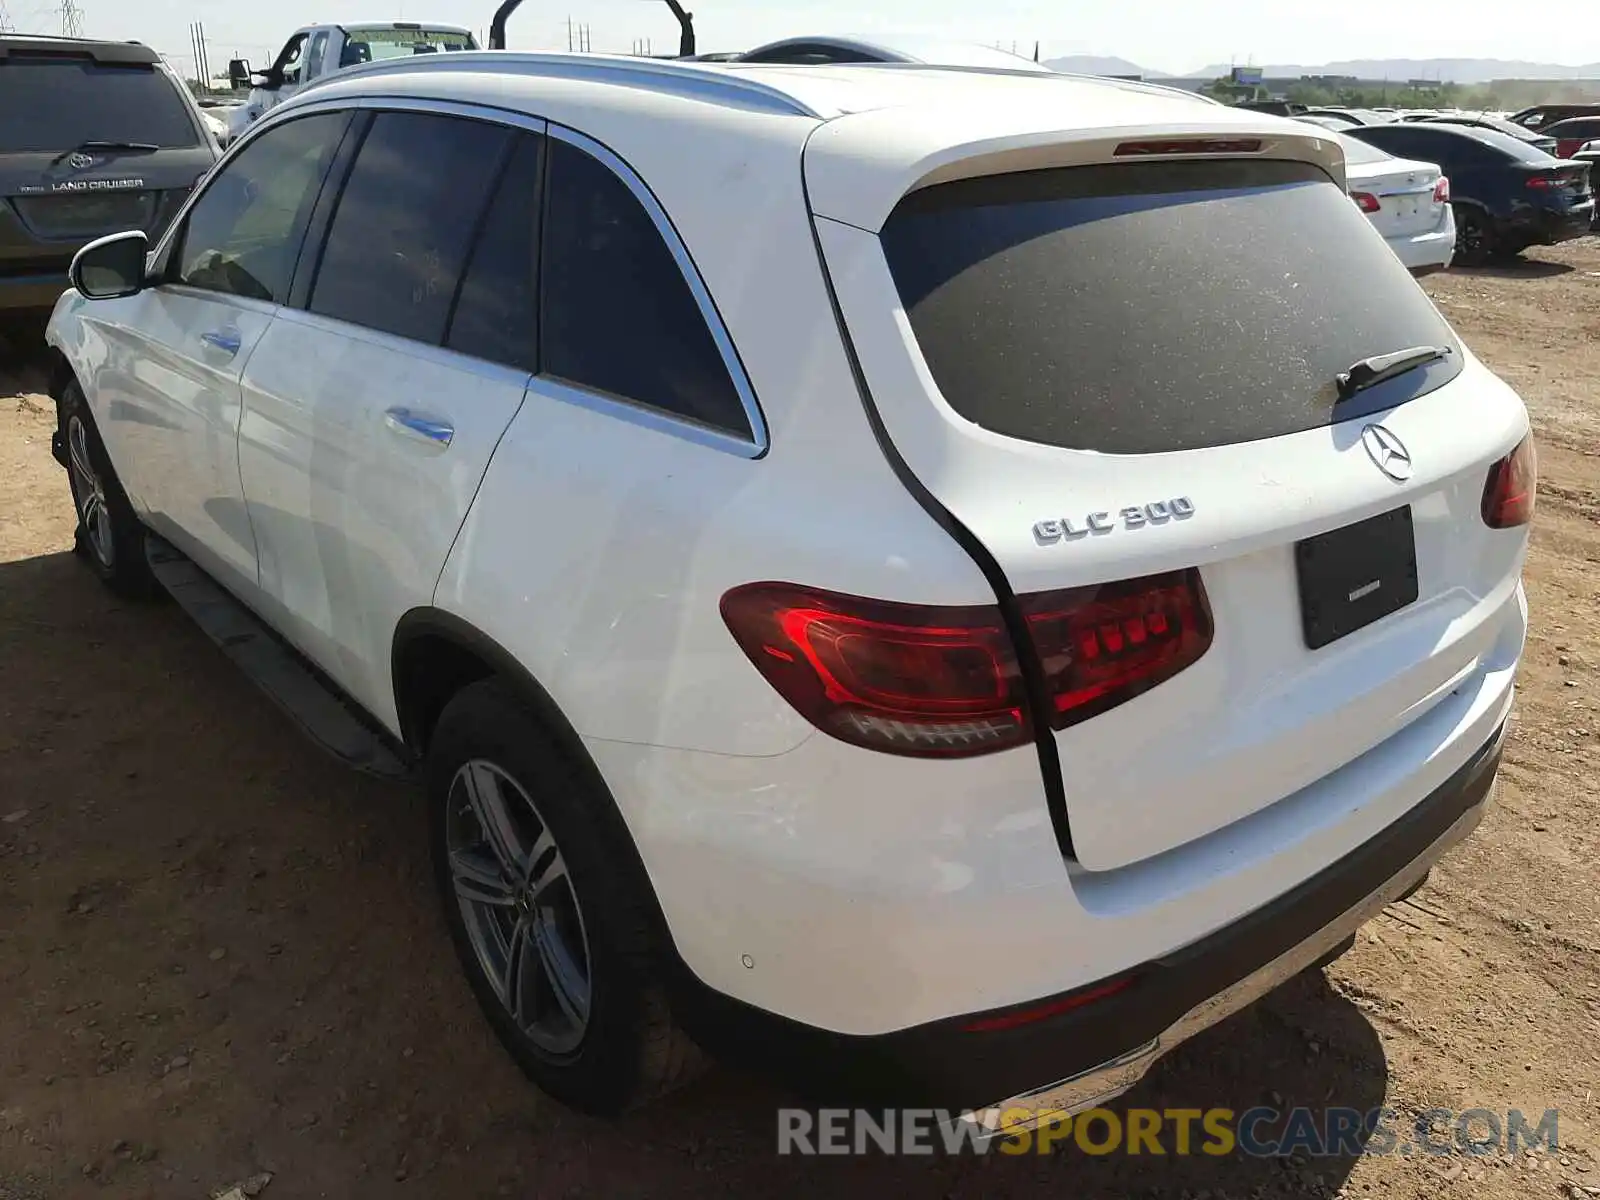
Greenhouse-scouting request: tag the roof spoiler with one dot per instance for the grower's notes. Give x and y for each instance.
(497, 27)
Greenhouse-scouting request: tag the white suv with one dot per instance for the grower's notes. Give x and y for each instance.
(939, 582)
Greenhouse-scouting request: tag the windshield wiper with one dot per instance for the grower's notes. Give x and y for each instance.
(96, 144)
(1374, 370)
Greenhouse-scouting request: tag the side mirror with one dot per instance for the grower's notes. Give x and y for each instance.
(239, 73)
(111, 266)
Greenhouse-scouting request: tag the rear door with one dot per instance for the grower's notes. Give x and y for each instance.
(88, 146)
(1120, 377)
(374, 402)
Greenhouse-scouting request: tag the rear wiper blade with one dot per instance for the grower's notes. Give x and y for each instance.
(1374, 370)
(96, 144)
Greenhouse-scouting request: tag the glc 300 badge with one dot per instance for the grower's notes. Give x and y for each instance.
(1137, 516)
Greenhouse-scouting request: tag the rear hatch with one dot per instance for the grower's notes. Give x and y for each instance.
(1116, 360)
(88, 147)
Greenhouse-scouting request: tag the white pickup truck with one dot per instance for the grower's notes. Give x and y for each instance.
(319, 50)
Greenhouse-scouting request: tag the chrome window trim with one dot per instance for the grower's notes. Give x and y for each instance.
(553, 387)
(433, 352)
(752, 443)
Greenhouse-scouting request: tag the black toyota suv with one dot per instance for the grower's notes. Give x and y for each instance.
(95, 138)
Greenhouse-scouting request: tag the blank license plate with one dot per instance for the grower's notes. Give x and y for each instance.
(1354, 576)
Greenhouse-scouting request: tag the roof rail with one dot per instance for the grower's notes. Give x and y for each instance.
(669, 76)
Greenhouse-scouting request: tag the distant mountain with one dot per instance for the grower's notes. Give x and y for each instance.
(1448, 70)
(1092, 64)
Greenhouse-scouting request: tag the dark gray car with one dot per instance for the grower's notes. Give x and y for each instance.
(95, 138)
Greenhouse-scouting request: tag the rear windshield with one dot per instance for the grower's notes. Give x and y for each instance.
(58, 103)
(387, 42)
(1359, 153)
(1524, 150)
(1135, 308)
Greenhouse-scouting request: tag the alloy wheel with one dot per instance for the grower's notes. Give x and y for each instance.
(89, 493)
(519, 906)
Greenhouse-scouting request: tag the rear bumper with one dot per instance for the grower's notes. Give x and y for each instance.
(32, 292)
(1427, 252)
(1547, 227)
(1101, 1049)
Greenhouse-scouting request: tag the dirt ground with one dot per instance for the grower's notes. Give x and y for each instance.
(220, 953)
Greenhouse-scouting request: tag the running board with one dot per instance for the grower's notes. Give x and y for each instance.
(320, 712)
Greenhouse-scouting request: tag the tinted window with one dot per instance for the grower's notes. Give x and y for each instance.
(1445, 147)
(617, 314)
(1144, 307)
(289, 60)
(243, 234)
(57, 103)
(394, 251)
(810, 53)
(1575, 127)
(497, 312)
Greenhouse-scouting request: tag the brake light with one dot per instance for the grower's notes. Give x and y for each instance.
(1366, 202)
(1101, 646)
(943, 681)
(1512, 488)
(1189, 146)
(1441, 190)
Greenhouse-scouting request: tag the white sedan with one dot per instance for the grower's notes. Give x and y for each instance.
(1408, 202)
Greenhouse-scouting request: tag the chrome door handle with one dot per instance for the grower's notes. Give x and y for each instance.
(403, 420)
(226, 340)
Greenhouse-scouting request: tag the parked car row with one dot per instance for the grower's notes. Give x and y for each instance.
(1507, 186)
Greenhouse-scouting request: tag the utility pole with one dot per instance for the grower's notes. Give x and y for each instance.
(569, 35)
(71, 19)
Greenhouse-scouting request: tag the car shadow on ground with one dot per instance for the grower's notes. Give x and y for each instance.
(224, 956)
(1517, 268)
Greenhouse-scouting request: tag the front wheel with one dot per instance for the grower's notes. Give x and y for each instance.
(109, 536)
(551, 925)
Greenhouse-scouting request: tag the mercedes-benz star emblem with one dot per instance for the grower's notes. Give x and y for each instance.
(79, 160)
(1388, 452)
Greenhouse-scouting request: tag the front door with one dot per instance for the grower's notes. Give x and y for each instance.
(173, 415)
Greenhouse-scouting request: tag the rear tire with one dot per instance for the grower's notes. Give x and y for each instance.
(109, 536)
(1476, 243)
(553, 928)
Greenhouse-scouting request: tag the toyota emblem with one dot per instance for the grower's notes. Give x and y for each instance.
(79, 161)
(1388, 452)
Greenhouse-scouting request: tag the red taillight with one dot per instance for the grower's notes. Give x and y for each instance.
(1366, 202)
(1189, 146)
(1101, 646)
(1441, 190)
(1512, 487)
(1567, 147)
(934, 681)
(944, 681)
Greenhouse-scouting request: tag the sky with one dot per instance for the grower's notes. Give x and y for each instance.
(1177, 36)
